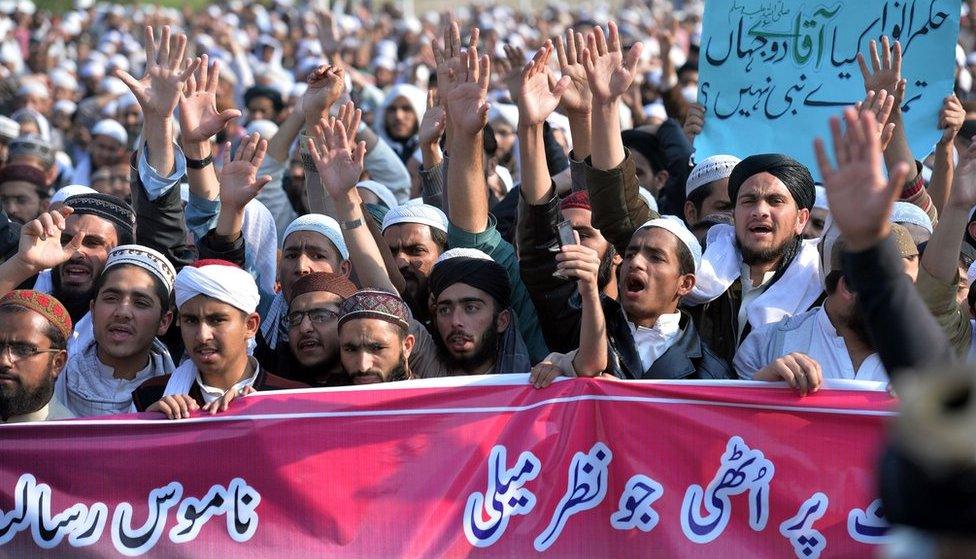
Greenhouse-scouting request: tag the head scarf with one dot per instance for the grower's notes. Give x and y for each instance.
(219, 280)
(791, 172)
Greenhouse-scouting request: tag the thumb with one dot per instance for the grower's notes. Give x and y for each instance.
(260, 182)
(633, 57)
(127, 79)
(561, 86)
(228, 114)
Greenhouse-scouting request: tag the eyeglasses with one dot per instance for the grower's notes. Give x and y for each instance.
(317, 316)
(20, 350)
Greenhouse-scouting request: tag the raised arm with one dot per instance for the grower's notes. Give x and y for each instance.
(467, 109)
(239, 184)
(324, 88)
(540, 95)
(951, 118)
(40, 248)
(577, 101)
(610, 76)
(339, 161)
(583, 263)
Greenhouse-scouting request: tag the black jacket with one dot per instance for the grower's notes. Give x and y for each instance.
(687, 358)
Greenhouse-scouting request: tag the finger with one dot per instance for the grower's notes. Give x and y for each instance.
(339, 133)
(875, 61)
(455, 32)
(885, 53)
(225, 158)
(251, 148)
(163, 57)
(75, 244)
(130, 82)
(865, 73)
(204, 75)
(359, 156)
(840, 147)
(580, 45)
(473, 38)
(569, 48)
(313, 150)
(150, 47)
(485, 77)
(190, 68)
(259, 150)
(534, 375)
(601, 41)
(887, 104)
(180, 51)
(896, 58)
(47, 225)
(169, 411)
(614, 45)
(633, 57)
(785, 372)
(228, 114)
(549, 376)
(814, 374)
(561, 53)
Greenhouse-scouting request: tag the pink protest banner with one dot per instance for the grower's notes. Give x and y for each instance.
(470, 467)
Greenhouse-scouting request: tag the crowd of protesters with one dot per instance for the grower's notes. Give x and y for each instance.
(201, 205)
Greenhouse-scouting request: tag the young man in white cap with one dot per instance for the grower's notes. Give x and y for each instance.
(647, 335)
(108, 147)
(707, 192)
(217, 302)
(417, 236)
(117, 347)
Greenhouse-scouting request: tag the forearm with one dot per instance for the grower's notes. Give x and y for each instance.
(942, 173)
(389, 263)
(318, 201)
(363, 253)
(607, 145)
(13, 272)
(467, 195)
(157, 133)
(536, 182)
(431, 154)
(580, 129)
(203, 182)
(230, 221)
(941, 257)
(898, 150)
(280, 144)
(591, 359)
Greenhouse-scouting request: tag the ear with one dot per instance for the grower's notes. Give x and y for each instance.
(164, 323)
(685, 284)
(661, 179)
(844, 291)
(971, 229)
(251, 324)
(691, 214)
(345, 268)
(504, 320)
(802, 217)
(408, 343)
(58, 362)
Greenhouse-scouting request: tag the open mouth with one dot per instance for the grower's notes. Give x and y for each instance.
(634, 285)
(207, 354)
(118, 332)
(76, 272)
(308, 343)
(761, 230)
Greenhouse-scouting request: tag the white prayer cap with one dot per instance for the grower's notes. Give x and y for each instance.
(505, 176)
(821, 197)
(323, 225)
(113, 86)
(265, 128)
(656, 111)
(716, 167)
(71, 190)
(26, 7)
(147, 259)
(423, 214)
(9, 129)
(92, 69)
(903, 212)
(679, 230)
(971, 59)
(648, 197)
(64, 80)
(112, 129)
(381, 191)
(505, 112)
(222, 281)
(461, 251)
(385, 62)
(32, 88)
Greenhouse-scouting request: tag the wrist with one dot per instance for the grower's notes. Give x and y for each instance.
(23, 269)
(197, 149)
(864, 241)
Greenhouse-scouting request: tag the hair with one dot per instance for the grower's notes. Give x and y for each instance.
(686, 262)
(58, 341)
(832, 280)
(491, 144)
(698, 196)
(439, 237)
(158, 288)
(971, 298)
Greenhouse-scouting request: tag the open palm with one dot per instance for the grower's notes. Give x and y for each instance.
(609, 73)
(40, 245)
(540, 93)
(338, 162)
(199, 119)
(577, 97)
(239, 183)
(964, 181)
(160, 88)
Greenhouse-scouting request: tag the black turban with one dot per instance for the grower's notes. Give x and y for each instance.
(794, 175)
(107, 207)
(486, 275)
(648, 145)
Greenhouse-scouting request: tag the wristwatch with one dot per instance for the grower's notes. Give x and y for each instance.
(199, 163)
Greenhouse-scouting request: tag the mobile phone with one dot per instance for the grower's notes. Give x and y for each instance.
(567, 236)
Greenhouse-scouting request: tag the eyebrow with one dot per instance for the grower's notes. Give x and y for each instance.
(462, 300)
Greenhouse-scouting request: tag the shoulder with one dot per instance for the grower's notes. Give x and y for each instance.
(149, 392)
(269, 381)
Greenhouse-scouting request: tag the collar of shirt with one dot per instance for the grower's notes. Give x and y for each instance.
(745, 276)
(39, 415)
(210, 393)
(651, 343)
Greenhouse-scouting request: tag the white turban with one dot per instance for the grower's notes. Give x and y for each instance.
(323, 225)
(224, 282)
(423, 214)
(679, 230)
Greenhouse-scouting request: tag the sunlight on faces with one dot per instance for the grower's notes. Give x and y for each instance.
(127, 313)
(716, 202)
(415, 252)
(374, 350)
(315, 344)
(650, 277)
(28, 383)
(767, 218)
(305, 252)
(401, 120)
(215, 334)
(79, 273)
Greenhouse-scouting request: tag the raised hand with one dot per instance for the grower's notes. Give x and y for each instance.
(963, 194)
(338, 161)
(580, 262)
(514, 64)
(325, 85)
(448, 57)
(694, 121)
(160, 88)
(239, 183)
(199, 119)
(951, 118)
(860, 199)
(350, 118)
(466, 99)
(434, 121)
(609, 73)
(540, 92)
(885, 72)
(881, 104)
(577, 97)
(40, 241)
(329, 35)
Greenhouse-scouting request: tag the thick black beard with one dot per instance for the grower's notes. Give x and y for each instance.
(490, 342)
(416, 299)
(22, 402)
(751, 257)
(401, 371)
(855, 321)
(76, 303)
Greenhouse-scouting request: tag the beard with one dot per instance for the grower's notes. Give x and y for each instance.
(768, 255)
(487, 350)
(415, 293)
(75, 300)
(855, 321)
(399, 372)
(22, 401)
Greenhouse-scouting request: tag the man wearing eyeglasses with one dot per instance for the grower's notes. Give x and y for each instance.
(33, 350)
(313, 328)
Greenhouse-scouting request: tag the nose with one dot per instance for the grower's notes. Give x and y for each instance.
(457, 317)
(364, 362)
(204, 333)
(305, 325)
(304, 265)
(401, 260)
